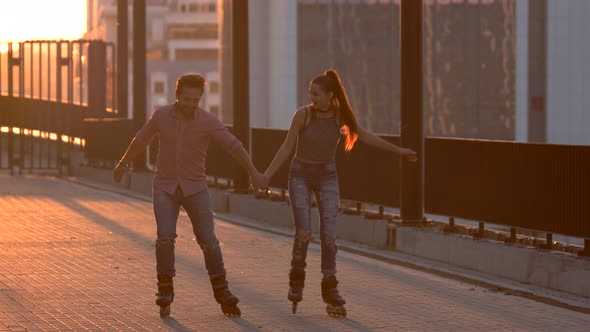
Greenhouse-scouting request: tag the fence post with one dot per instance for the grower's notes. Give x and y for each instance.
(97, 78)
(241, 91)
(139, 74)
(586, 251)
(122, 58)
(412, 192)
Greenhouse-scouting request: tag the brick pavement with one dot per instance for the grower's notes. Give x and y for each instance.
(82, 259)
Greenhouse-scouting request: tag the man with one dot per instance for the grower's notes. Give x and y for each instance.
(184, 132)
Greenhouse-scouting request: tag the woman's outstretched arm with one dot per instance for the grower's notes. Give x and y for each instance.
(376, 141)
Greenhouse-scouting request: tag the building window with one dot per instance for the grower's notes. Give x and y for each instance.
(193, 31)
(213, 87)
(159, 87)
(195, 54)
(155, 54)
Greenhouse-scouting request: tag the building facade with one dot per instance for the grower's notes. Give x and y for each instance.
(181, 37)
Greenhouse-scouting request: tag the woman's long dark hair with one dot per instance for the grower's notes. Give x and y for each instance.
(330, 81)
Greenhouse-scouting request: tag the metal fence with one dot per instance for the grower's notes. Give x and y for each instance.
(536, 186)
(47, 89)
(522, 185)
(57, 70)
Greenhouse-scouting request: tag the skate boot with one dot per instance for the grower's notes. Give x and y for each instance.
(331, 296)
(297, 273)
(225, 298)
(296, 283)
(165, 294)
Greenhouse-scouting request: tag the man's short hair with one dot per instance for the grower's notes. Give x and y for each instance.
(191, 81)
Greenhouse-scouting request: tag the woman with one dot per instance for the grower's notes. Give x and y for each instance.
(315, 132)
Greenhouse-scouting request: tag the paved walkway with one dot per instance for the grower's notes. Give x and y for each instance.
(77, 258)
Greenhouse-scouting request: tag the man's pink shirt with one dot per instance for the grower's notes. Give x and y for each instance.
(183, 147)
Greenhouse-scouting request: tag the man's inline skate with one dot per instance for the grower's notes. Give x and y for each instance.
(225, 298)
(165, 294)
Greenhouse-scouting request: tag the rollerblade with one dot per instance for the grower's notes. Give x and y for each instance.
(297, 273)
(225, 298)
(165, 294)
(331, 296)
(296, 283)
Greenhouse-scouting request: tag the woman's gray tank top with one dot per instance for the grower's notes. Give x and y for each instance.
(319, 139)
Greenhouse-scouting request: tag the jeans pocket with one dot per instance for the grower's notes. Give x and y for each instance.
(330, 169)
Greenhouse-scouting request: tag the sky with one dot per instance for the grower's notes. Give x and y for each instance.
(42, 19)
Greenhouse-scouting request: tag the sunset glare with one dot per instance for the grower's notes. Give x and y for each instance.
(41, 19)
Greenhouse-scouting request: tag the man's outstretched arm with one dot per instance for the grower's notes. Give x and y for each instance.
(133, 150)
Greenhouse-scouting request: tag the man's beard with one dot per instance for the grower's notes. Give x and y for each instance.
(188, 110)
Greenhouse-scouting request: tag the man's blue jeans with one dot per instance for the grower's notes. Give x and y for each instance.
(198, 208)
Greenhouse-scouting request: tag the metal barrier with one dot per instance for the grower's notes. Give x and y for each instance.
(67, 71)
(37, 134)
(534, 186)
(47, 88)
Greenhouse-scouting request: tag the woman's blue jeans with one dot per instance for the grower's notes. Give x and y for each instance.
(321, 180)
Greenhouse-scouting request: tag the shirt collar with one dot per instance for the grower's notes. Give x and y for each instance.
(176, 113)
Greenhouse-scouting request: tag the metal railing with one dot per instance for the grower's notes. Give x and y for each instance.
(533, 186)
(521, 185)
(58, 71)
(47, 89)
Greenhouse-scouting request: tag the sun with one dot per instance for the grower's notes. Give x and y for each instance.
(41, 19)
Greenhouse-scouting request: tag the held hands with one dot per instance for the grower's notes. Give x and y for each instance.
(266, 182)
(408, 154)
(259, 181)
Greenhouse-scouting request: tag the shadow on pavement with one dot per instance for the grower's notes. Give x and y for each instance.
(176, 325)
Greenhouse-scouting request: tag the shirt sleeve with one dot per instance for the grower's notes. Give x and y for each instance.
(149, 130)
(220, 135)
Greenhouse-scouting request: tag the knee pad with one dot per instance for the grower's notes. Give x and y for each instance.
(209, 246)
(165, 243)
(299, 253)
